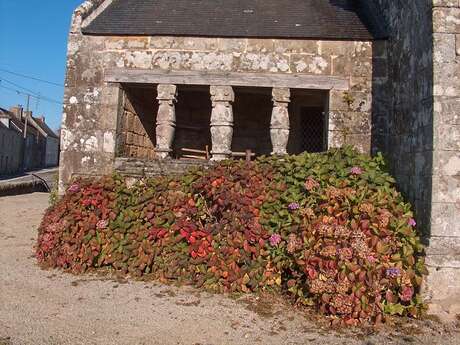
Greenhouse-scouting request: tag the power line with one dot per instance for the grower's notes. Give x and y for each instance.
(46, 99)
(19, 86)
(36, 95)
(30, 77)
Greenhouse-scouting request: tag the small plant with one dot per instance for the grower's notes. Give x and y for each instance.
(54, 193)
(326, 230)
(348, 98)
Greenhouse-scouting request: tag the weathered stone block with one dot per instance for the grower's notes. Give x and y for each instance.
(445, 219)
(457, 44)
(311, 64)
(336, 48)
(446, 189)
(350, 122)
(447, 137)
(446, 110)
(446, 163)
(232, 45)
(445, 3)
(444, 48)
(442, 290)
(255, 45)
(445, 246)
(126, 42)
(309, 47)
(259, 62)
(446, 19)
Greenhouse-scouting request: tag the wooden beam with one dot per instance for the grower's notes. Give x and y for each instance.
(293, 81)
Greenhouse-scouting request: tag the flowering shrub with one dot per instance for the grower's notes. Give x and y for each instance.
(326, 230)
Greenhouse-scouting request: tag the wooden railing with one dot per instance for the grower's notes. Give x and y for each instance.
(205, 155)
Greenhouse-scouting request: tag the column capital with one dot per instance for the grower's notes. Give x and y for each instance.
(281, 94)
(222, 94)
(167, 92)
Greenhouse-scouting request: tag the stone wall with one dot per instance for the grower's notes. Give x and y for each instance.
(415, 103)
(11, 143)
(136, 135)
(91, 119)
(444, 249)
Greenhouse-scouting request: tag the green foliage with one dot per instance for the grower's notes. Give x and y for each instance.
(54, 194)
(326, 230)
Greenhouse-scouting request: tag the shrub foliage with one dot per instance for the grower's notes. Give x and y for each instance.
(327, 230)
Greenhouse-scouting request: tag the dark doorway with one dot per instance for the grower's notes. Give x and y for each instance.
(193, 117)
(309, 122)
(313, 133)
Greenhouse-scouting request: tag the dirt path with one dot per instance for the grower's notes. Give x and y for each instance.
(51, 308)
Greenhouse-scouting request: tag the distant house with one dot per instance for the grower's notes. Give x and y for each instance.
(51, 152)
(41, 145)
(10, 147)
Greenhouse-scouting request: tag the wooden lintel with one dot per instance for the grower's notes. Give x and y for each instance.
(293, 81)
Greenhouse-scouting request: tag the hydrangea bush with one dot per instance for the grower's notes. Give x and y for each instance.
(326, 230)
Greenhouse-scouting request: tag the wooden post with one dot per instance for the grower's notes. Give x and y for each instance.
(248, 155)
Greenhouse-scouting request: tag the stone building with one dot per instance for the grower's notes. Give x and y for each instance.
(10, 146)
(41, 148)
(149, 81)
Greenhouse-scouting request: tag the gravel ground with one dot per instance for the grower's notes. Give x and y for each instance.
(52, 308)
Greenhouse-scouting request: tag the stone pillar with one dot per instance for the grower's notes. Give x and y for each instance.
(221, 121)
(166, 119)
(279, 127)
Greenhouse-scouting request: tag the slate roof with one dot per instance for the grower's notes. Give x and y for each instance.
(45, 127)
(315, 19)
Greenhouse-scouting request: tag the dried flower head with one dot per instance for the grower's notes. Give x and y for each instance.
(102, 224)
(294, 243)
(407, 293)
(75, 188)
(311, 184)
(275, 239)
(356, 171)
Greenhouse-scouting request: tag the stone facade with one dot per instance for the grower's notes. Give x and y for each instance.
(401, 97)
(416, 108)
(91, 120)
(11, 143)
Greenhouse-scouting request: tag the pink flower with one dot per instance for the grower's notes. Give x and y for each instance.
(356, 171)
(293, 206)
(406, 294)
(75, 188)
(412, 222)
(102, 224)
(275, 239)
(371, 259)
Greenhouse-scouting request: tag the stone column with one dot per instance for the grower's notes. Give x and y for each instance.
(279, 126)
(221, 121)
(166, 119)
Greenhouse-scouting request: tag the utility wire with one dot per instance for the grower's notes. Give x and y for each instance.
(30, 77)
(46, 99)
(19, 86)
(37, 95)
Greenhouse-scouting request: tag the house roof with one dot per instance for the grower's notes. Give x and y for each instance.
(44, 127)
(314, 19)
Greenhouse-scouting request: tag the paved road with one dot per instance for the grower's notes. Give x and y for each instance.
(29, 182)
(52, 308)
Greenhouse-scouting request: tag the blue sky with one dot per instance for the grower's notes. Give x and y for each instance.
(33, 42)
